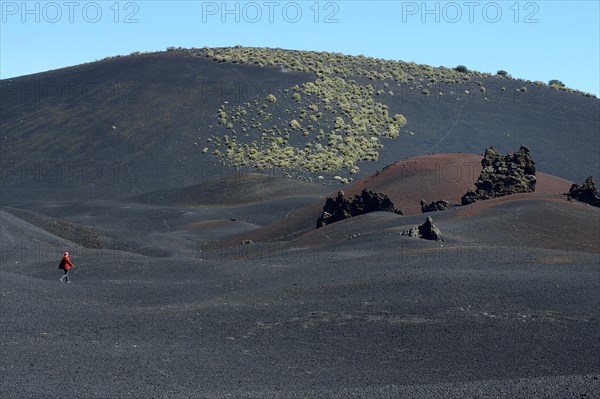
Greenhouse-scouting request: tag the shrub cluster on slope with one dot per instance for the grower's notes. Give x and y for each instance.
(335, 122)
(336, 125)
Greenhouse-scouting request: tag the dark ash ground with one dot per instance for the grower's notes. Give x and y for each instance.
(165, 310)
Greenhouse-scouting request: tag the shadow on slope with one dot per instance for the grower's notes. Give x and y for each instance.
(85, 236)
(243, 189)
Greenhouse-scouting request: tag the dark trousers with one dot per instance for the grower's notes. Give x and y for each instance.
(65, 276)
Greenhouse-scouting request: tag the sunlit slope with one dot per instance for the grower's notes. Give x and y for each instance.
(133, 124)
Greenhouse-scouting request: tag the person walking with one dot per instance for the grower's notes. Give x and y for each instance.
(66, 265)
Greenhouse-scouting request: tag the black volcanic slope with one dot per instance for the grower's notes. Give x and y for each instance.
(172, 302)
(493, 312)
(134, 124)
(240, 189)
(195, 279)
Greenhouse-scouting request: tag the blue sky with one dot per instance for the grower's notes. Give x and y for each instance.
(538, 40)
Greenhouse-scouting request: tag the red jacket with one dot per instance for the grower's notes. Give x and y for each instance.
(65, 263)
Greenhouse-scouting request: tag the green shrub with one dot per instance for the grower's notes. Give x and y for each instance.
(502, 73)
(294, 124)
(461, 69)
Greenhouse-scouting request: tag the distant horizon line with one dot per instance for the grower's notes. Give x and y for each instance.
(180, 48)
